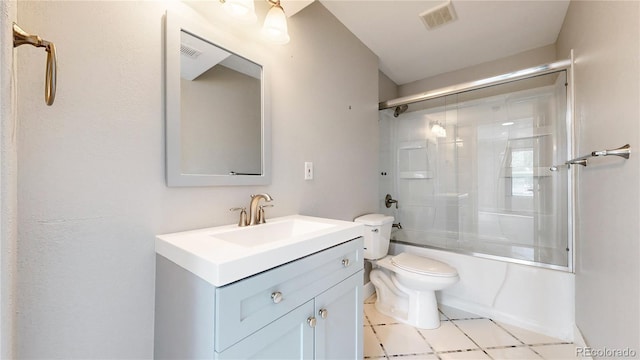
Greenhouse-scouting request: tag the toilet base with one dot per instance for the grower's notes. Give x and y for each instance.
(416, 308)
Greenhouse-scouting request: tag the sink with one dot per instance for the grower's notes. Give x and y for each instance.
(258, 235)
(224, 254)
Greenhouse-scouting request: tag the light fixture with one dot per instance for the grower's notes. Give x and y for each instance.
(274, 29)
(508, 123)
(275, 24)
(242, 10)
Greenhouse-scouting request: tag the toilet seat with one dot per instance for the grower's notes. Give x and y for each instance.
(421, 265)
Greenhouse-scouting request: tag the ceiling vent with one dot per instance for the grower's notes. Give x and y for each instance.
(438, 15)
(188, 51)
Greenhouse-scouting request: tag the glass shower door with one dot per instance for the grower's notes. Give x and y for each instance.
(473, 172)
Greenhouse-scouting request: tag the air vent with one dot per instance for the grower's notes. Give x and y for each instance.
(438, 15)
(188, 51)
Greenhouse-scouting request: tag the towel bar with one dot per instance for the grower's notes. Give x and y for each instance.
(623, 151)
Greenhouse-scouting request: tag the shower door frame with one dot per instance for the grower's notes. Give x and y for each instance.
(555, 67)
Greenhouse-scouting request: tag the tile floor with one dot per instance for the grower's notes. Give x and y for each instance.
(461, 335)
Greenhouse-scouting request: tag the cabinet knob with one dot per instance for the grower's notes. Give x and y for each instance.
(323, 313)
(345, 262)
(276, 297)
(311, 321)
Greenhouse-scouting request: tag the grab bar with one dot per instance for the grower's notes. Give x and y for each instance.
(623, 151)
(21, 37)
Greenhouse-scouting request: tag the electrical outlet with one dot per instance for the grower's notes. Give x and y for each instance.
(308, 170)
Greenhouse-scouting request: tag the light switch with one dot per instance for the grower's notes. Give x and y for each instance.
(308, 170)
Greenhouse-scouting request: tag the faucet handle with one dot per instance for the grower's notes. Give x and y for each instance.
(243, 215)
(261, 217)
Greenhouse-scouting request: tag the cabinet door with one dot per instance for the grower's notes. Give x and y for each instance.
(339, 331)
(289, 337)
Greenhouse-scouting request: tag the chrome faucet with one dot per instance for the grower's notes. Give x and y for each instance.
(254, 213)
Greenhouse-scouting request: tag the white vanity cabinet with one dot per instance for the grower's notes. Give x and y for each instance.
(305, 309)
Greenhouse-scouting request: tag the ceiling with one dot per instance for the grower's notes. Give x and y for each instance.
(483, 31)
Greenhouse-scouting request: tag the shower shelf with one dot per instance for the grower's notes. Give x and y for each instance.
(416, 175)
(413, 160)
(539, 171)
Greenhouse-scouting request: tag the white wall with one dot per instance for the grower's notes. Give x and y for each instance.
(605, 36)
(92, 193)
(388, 90)
(523, 60)
(8, 178)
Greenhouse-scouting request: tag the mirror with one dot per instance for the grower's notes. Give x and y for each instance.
(217, 126)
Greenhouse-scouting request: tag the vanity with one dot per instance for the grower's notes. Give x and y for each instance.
(290, 288)
(287, 289)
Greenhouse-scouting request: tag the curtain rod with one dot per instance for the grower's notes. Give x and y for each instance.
(478, 84)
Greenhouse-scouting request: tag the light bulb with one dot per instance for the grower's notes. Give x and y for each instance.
(275, 26)
(243, 10)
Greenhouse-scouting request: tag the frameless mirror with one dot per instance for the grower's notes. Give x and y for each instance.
(217, 126)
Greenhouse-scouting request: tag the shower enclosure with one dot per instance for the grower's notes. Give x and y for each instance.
(471, 169)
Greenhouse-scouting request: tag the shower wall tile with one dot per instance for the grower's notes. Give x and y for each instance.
(417, 218)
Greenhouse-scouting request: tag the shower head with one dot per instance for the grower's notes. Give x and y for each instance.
(400, 109)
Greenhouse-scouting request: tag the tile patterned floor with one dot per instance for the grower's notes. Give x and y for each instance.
(461, 335)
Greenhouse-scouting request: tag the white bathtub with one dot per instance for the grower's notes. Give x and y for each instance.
(533, 298)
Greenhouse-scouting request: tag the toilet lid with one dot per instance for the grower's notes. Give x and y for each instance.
(422, 265)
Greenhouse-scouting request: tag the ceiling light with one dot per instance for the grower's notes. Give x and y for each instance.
(508, 123)
(274, 29)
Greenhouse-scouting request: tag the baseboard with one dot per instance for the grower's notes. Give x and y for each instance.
(499, 316)
(579, 341)
(367, 290)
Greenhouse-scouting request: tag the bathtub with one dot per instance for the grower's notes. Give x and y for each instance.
(533, 298)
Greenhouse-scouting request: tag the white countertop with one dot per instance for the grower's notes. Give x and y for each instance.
(221, 262)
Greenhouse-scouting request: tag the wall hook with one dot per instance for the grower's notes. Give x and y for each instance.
(21, 37)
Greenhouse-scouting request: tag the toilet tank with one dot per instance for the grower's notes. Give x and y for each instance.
(377, 232)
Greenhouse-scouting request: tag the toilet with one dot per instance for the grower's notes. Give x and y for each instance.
(405, 283)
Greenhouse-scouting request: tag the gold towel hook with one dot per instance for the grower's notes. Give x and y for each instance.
(20, 37)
